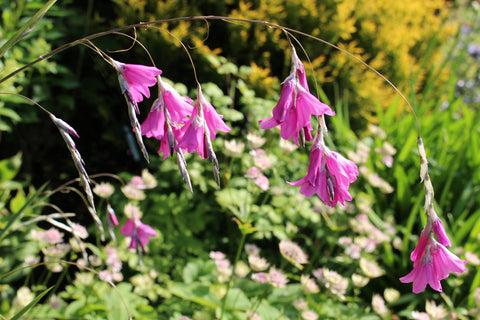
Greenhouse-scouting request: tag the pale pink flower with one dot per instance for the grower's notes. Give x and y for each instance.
(253, 172)
(137, 182)
(216, 255)
(255, 141)
(300, 304)
(329, 175)
(308, 284)
(252, 249)
(309, 315)
(139, 232)
(260, 277)
(378, 305)
(53, 236)
(103, 189)
(420, 315)
(262, 182)
(234, 148)
(257, 263)
(261, 159)
(135, 79)
(293, 253)
(277, 279)
(353, 251)
(296, 106)
(345, 241)
(253, 316)
(202, 126)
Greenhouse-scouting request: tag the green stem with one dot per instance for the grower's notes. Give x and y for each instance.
(237, 258)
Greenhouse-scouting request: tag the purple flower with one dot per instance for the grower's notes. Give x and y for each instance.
(135, 79)
(329, 175)
(201, 127)
(139, 232)
(434, 265)
(439, 230)
(296, 106)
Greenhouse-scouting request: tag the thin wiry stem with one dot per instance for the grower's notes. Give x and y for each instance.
(185, 48)
(221, 18)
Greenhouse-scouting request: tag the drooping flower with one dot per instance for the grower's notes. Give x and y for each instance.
(135, 79)
(329, 175)
(139, 232)
(434, 265)
(168, 112)
(296, 106)
(201, 127)
(439, 231)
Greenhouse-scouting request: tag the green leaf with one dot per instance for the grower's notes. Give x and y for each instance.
(22, 209)
(9, 113)
(26, 28)
(30, 305)
(195, 292)
(18, 201)
(10, 167)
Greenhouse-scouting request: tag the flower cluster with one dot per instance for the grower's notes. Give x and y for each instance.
(172, 120)
(432, 261)
(329, 174)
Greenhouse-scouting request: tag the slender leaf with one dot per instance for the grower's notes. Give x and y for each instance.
(26, 28)
(31, 304)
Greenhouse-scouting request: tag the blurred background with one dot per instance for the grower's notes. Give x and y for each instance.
(430, 49)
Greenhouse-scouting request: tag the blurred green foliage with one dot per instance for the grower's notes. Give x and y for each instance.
(401, 40)
(178, 277)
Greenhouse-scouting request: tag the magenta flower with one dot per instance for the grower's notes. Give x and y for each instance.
(445, 261)
(435, 265)
(329, 175)
(439, 230)
(201, 127)
(139, 232)
(296, 106)
(135, 79)
(168, 112)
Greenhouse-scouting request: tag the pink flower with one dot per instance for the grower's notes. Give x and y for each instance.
(445, 261)
(439, 230)
(201, 127)
(329, 175)
(135, 79)
(435, 265)
(168, 112)
(296, 106)
(419, 250)
(139, 232)
(262, 182)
